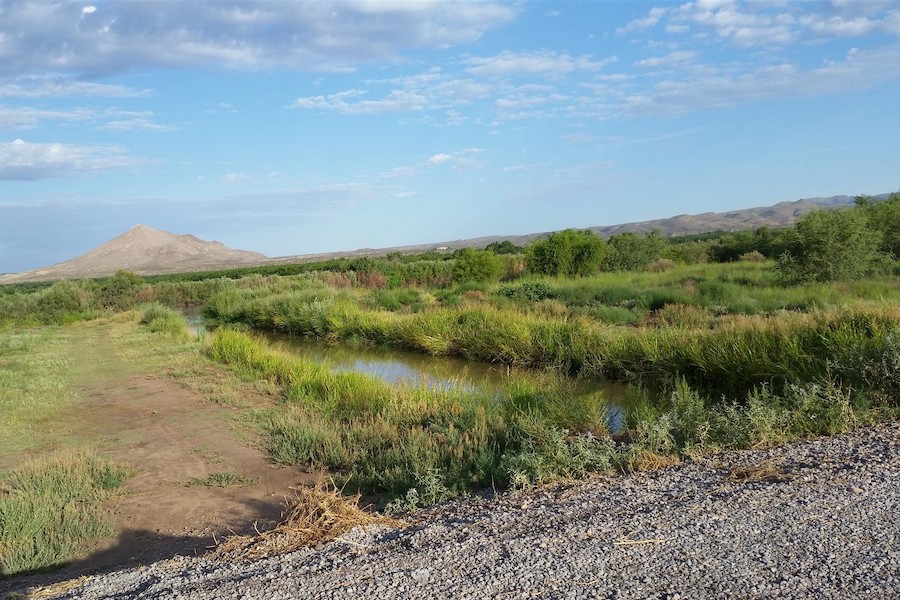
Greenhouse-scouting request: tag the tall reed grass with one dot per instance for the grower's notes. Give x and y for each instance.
(416, 446)
(390, 439)
(733, 354)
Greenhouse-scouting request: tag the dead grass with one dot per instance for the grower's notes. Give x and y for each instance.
(646, 460)
(767, 472)
(52, 591)
(315, 515)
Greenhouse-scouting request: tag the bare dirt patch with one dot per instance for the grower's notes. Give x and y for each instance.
(173, 438)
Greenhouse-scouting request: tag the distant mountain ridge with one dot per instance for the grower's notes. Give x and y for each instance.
(778, 215)
(149, 251)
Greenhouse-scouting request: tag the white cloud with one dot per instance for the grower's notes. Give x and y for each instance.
(236, 177)
(439, 158)
(27, 117)
(544, 63)
(773, 22)
(55, 86)
(137, 122)
(26, 161)
(860, 69)
(672, 58)
(397, 173)
(116, 35)
(523, 101)
(461, 160)
(395, 101)
(650, 20)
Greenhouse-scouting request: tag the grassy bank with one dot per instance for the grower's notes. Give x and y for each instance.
(735, 359)
(731, 354)
(417, 446)
(392, 439)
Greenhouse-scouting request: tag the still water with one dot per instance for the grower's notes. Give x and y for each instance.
(436, 372)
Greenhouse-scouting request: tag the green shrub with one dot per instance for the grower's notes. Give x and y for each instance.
(530, 291)
(568, 253)
(631, 252)
(476, 265)
(831, 245)
(160, 319)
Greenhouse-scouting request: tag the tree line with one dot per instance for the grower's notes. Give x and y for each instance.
(824, 245)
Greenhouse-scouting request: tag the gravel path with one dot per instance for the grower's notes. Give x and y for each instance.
(826, 526)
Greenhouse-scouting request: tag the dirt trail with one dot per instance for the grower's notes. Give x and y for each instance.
(169, 435)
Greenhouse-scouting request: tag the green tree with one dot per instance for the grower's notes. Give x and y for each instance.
(631, 252)
(689, 252)
(826, 245)
(732, 246)
(884, 216)
(118, 292)
(476, 265)
(504, 247)
(566, 253)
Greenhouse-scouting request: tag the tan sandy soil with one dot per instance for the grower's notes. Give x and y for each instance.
(169, 435)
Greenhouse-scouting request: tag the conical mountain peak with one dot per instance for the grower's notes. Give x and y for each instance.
(146, 250)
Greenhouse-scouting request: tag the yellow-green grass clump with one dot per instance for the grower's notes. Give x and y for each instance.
(52, 505)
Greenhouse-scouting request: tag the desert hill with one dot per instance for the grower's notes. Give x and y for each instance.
(146, 251)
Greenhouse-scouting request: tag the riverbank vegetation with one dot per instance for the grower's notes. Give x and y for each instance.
(726, 341)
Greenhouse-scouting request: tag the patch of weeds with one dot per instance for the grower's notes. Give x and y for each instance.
(160, 319)
(223, 479)
(430, 489)
(50, 506)
(208, 453)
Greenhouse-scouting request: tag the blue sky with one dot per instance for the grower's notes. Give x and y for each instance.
(298, 127)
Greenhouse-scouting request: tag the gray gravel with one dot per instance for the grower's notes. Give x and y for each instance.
(827, 529)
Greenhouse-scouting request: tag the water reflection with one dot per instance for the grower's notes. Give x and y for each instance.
(437, 372)
(195, 322)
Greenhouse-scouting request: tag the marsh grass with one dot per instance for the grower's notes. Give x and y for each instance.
(160, 319)
(728, 380)
(726, 354)
(50, 506)
(416, 446)
(683, 422)
(391, 439)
